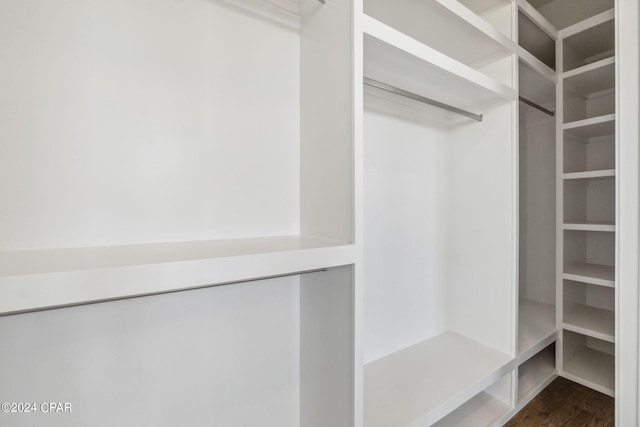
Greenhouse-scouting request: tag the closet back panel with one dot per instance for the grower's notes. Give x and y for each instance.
(537, 254)
(481, 228)
(131, 121)
(225, 356)
(407, 183)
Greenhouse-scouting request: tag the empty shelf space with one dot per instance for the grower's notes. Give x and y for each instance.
(398, 60)
(589, 361)
(39, 279)
(536, 86)
(603, 275)
(481, 410)
(536, 41)
(606, 173)
(589, 226)
(536, 372)
(426, 381)
(444, 25)
(589, 41)
(592, 127)
(536, 327)
(594, 77)
(590, 321)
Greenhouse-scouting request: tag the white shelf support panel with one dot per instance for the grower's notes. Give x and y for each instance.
(427, 381)
(34, 280)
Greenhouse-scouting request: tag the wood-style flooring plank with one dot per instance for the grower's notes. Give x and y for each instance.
(564, 403)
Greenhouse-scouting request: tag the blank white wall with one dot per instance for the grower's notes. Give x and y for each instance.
(481, 252)
(405, 226)
(132, 121)
(223, 356)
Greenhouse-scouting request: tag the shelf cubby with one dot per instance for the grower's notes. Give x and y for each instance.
(590, 93)
(448, 27)
(536, 328)
(589, 310)
(589, 204)
(589, 361)
(536, 41)
(596, 155)
(427, 381)
(486, 408)
(536, 372)
(562, 14)
(589, 45)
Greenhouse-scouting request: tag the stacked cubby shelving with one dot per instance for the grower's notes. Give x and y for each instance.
(587, 188)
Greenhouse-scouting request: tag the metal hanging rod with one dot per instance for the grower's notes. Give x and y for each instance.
(419, 98)
(536, 106)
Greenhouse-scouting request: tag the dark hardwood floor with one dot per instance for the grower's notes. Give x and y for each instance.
(565, 403)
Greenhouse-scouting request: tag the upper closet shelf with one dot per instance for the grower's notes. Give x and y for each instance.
(398, 60)
(446, 26)
(592, 127)
(425, 382)
(32, 280)
(584, 78)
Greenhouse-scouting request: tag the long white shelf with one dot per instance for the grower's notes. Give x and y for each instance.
(592, 368)
(425, 382)
(536, 328)
(591, 321)
(31, 280)
(605, 173)
(596, 274)
(589, 226)
(396, 59)
(481, 410)
(592, 127)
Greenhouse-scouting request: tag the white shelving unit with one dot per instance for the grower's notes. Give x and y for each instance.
(536, 373)
(317, 212)
(588, 194)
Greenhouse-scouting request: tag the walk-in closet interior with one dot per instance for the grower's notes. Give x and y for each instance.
(316, 213)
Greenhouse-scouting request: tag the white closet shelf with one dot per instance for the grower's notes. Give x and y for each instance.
(591, 321)
(427, 381)
(594, 77)
(39, 279)
(536, 373)
(605, 173)
(592, 127)
(589, 226)
(445, 25)
(540, 67)
(396, 59)
(592, 368)
(595, 274)
(536, 328)
(481, 410)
